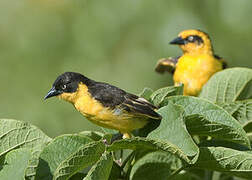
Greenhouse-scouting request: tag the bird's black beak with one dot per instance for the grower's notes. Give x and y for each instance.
(178, 41)
(51, 93)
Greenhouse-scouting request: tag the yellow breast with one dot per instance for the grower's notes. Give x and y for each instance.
(194, 71)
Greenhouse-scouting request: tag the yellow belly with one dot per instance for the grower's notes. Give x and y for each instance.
(194, 72)
(105, 117)
(113, 119)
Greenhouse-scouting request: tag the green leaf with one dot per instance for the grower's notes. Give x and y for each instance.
(139, 143)
(14, 164)
(78, 176)
(160, 95)
(172, 129)
(146, 93)
(219, 122)
(155, 165)
(82, 158)
(108, 131)
(199, 125)
(101, 170)
(115, 172)
(30, 172)
(17, 134)
(240, 110)
(238, 163)
(248, 127)
(96, 136)
(228, 85)
(57, 151)
(220, 143)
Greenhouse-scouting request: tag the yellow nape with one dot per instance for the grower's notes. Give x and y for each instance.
(194, 71)
(106, 117)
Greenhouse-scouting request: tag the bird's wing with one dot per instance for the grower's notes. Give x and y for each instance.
(140, 106)
(224, 63)
(167, 64)
(108, 95)
(113, 97)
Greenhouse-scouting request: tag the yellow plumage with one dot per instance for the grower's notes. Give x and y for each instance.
(197, 64)
(194, 71)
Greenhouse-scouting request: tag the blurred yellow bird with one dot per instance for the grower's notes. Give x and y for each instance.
(197, 64)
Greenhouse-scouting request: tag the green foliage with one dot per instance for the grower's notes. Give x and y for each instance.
(161, 163)
(216, 122)
(227, 160)
(139, 144)
(206, 136)
(16, 134)
(14, 164)
(174, 116)
(158, 97)
(64, 145)
(228, 86)
(240, 110)
(82, 158)
(101, 170)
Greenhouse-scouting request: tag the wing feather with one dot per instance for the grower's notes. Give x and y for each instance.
(113, 97)
(140, 106)
(167, 64)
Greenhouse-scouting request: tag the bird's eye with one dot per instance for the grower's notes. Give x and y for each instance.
(190, 38)
(64, 86)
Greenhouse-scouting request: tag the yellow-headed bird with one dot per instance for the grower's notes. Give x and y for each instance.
(197, 64)
(104, 104)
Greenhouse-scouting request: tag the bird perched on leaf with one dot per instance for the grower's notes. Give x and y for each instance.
(197, 64)
(104, 104)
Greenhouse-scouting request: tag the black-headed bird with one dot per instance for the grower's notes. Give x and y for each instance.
(197, 64)
(103, 104)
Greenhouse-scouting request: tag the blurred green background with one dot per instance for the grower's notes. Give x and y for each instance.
(116, 41)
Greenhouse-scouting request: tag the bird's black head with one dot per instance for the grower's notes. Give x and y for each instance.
(66, 83)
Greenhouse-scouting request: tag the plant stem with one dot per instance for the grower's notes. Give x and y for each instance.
(129, 157)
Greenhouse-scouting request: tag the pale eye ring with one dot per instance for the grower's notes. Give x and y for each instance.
(190, 38)
(64, 86)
